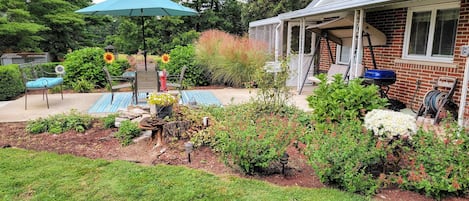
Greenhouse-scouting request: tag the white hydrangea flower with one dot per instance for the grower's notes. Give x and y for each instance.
(389, 124)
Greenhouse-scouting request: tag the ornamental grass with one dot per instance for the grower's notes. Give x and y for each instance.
(230, 59)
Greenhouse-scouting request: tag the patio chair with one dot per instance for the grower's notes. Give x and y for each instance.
(176, 80)
(124, 83)
(145, 82)
(42, 80)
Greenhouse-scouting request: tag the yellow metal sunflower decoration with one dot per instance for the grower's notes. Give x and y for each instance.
(165, 58)
(108, 57)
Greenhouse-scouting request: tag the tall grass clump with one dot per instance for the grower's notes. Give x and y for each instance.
(230, 59)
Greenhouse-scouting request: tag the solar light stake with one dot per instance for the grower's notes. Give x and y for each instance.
(188, 146)
(284, 161)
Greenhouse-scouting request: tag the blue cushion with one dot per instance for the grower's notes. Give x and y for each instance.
(44, 82)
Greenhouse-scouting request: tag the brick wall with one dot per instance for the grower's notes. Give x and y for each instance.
(392, 23)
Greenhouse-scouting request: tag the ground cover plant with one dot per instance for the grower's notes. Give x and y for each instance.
(438, 164)
(127, 131)
(59, 123)
(29, 175)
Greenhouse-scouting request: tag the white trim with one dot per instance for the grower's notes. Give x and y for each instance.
(433, 9)
(338, 55)
(301, 54)
(272, 20)
(350, 4)
(360, 43)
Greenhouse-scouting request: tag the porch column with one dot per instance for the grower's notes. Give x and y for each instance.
(462, 103)
(357, 43)
(301, 54)
(277, 40)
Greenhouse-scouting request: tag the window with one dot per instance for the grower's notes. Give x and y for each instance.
(343, 54)
(294, 44)
(431, 32)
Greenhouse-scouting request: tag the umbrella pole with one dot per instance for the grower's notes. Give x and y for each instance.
(145, 53)
(144, 44)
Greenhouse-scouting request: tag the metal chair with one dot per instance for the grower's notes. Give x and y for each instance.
(145, 82)
(124, 83)
(44, 81)
(176, 80)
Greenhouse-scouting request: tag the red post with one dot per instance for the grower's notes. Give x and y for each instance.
(163, 76)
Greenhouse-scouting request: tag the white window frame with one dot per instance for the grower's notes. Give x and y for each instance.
(338, 54)
(289, 39)
(433, 9)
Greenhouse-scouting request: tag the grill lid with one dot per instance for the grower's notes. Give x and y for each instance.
(380, 74)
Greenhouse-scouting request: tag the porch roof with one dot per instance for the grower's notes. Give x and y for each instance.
(340, 31)
(267, 21)
(322, 8)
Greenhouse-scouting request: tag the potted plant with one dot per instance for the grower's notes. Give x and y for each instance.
(162, 103)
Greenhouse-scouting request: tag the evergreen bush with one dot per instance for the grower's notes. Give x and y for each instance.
(11, 82)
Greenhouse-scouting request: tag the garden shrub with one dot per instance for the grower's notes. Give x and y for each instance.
(338, 101)
(341, 154)
(252, 145)
(60, 123)
(87, 64)
(230, 59)
(272, 94)
(127, 131)
(438, 165)
(82, 86)
(49, 67)
(195, 74)
(109, 120)
(11, 82)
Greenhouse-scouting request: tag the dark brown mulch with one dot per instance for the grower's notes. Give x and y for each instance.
(99, 143)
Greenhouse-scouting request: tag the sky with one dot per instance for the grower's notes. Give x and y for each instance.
(97, 1)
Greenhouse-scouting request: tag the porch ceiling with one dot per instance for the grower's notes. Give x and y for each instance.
(340, 31)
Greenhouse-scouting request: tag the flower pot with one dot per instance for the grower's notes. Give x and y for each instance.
(164, 111)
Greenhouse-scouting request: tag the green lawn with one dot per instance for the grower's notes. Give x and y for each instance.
(29, 175)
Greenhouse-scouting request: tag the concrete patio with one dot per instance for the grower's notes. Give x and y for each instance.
(14, 111)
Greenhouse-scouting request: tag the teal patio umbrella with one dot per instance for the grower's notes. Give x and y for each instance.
(139, 8)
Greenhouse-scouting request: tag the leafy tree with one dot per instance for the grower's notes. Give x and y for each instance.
(215, 14)
(260, 9)
(64, 25)
(18, 32)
